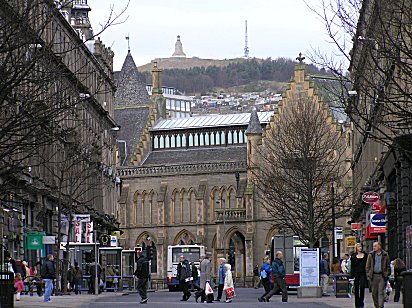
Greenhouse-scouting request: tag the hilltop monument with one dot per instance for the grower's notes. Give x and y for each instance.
(179, 49)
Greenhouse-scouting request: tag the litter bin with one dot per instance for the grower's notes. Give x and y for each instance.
(341, 285)
(6, 290)
(407, 289)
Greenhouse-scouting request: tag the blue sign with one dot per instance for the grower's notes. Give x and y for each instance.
(378, 220)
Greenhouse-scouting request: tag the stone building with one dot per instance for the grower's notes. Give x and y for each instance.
(380, 105)
(73, 171)
(191, 185)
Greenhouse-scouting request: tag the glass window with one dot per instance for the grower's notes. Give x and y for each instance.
(192, 254)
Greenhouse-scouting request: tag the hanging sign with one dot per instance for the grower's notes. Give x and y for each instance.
(355, 226)
(370, 197)
(34, 241)
(350, 241)
(378, 223)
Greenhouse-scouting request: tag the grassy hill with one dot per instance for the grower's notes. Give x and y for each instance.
(240, 73)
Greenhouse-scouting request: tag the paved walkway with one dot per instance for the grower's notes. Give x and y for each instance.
(245, 298)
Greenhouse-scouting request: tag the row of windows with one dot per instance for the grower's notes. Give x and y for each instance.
(199, 139)
(172, 104)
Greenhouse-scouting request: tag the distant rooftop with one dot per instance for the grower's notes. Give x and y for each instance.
(213, 120)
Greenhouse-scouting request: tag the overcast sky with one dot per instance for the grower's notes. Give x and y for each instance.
(210, 28)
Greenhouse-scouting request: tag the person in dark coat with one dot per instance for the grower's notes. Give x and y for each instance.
(398, 266)
(358, 273)
(142, 274)
(279, 279)
(195, 276)
(93, 268)
(48, 274)
(183, 275)
(77, 278)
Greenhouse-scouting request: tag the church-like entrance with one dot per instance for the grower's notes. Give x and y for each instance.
(236, 257)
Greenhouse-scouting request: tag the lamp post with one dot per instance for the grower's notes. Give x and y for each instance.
(96, 260)
(332, 191)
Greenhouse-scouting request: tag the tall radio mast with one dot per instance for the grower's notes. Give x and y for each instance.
(246, 42)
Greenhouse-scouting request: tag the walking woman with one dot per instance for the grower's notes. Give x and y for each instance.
(358, 272)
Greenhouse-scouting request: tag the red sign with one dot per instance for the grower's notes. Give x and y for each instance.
(376, 205)
(356, 226)
(370, 197)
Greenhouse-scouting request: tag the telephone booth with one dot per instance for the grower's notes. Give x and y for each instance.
(111, 262)
(83, 253)
(128, 269)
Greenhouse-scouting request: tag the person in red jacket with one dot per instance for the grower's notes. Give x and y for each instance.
(18, 285)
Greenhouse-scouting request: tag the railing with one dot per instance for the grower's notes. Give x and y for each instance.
(230, 214)
(182, 169)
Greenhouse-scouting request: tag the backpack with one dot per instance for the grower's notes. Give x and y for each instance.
(263, 274)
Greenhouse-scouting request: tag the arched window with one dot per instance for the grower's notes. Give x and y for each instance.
(139, 210)
(177, 207)
(185, 207)
(193, 207)
(232, 199)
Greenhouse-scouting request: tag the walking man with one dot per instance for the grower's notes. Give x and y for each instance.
(345, 264)
(378, 270)
(183, 275)
(324, 273)
(205, 276)
(142, 275)
(279, 275)
(48, 274)
(256, 277)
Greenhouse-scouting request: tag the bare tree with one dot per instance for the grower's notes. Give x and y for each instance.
(372, 62)
(302, 155)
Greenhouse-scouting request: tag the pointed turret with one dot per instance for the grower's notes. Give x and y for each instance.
(254, 126)
(254, 140)
(179, 49)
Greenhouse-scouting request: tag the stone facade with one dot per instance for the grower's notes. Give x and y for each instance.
(194, 186)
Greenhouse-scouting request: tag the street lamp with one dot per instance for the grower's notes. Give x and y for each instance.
(332, 191)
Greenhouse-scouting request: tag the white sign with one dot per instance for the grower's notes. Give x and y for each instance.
(89, 232)
(113, 241)
(338, 233)
(79, 219)
(49, 240)
(309, 267)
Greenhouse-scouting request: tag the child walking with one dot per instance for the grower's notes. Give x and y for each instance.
(18, 285)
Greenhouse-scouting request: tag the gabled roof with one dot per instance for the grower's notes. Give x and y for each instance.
(213, 120)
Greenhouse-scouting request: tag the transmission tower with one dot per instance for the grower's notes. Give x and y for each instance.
(246, 42)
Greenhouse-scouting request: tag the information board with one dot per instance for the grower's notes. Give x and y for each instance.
(309, 267)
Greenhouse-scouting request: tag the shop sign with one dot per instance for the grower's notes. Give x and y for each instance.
(49, 240)
(113, 241)
(370, 197)
(356, 226)
(79, 219)
(350, 241)
(34, 241)
(378, 223)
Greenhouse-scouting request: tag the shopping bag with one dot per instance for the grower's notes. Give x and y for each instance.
(230, 292)
(208, 289)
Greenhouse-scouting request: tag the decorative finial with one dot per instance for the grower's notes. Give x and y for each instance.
(300, 58)
(128, 41)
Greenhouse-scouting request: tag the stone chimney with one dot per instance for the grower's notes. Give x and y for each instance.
(179, 49)
(157, 92)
